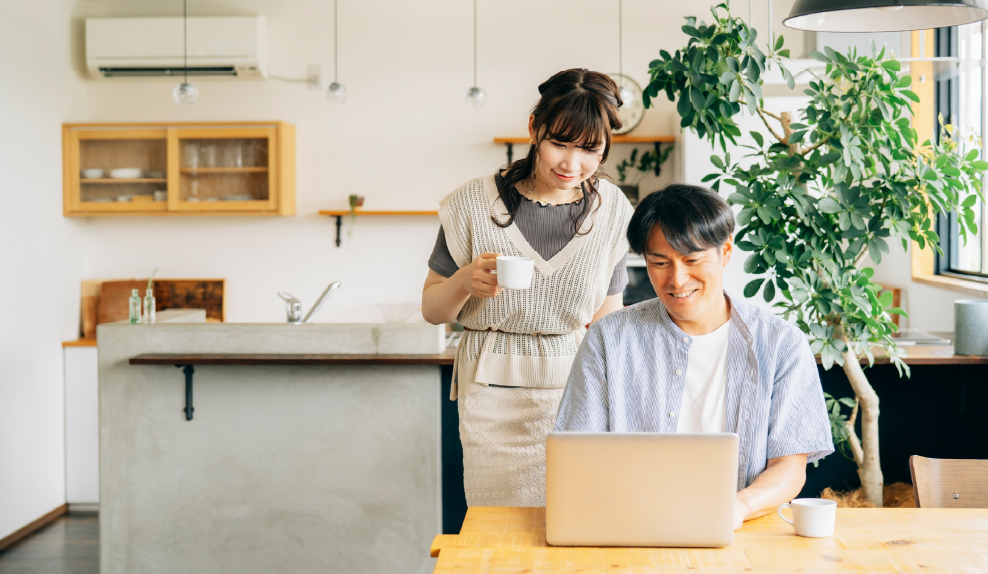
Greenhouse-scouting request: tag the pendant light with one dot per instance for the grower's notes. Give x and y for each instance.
(883, 15)
(626, 94)
(185, 93)
(475, 96)
(336, 92)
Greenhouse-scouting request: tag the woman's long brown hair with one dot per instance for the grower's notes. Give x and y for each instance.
(576, 106)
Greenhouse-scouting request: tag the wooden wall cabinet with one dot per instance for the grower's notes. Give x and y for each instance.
(245, 168)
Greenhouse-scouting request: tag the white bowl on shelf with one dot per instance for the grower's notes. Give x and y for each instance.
(124, 198)
(92, 173)
(126, 173)
(238, 198)
(155, 175)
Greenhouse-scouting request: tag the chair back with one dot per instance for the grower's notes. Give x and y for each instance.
(949, 483)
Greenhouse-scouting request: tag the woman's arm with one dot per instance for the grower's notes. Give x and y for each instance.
(780, 482)
(611, 304)
(442, 297)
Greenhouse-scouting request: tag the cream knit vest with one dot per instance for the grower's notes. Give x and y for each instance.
(541, 327)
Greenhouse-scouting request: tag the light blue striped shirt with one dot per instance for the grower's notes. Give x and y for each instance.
(624, 379)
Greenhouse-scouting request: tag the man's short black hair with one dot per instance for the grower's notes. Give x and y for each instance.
(693, 218)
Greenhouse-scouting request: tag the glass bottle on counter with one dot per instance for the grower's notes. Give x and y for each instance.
(148, 306)
(135, 306)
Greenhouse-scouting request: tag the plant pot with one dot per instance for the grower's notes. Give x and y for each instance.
(971, 327)
(356, 201)
(631, 192)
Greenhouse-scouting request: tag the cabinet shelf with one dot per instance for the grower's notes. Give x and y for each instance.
(266, 151)
(340, 214)
(118, 181)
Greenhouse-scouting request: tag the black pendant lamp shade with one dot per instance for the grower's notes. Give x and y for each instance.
(883, 16)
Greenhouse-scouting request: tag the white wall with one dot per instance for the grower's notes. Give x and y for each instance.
(42, 257)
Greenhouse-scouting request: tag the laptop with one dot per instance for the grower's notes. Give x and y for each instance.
(640, 489)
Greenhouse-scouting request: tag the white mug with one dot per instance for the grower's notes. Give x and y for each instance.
(811, 517)
(515, 272)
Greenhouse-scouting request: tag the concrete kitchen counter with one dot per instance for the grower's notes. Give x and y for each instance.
(331, 467)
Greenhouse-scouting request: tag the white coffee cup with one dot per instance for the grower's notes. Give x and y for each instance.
(160, 195)
(811, 517)
(515, 272)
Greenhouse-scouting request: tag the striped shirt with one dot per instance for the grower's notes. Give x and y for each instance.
(629, 376)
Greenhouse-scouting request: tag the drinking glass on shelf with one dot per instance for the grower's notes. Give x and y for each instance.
(191, 155)
(193, 191)
(250, 153)
(209, 155)
(233, 155)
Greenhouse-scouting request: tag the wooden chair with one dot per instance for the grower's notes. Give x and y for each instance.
(949, 483)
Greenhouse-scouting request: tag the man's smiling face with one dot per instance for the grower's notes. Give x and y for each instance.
(690, 285)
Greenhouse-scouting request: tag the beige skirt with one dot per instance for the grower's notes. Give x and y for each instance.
(503, 432)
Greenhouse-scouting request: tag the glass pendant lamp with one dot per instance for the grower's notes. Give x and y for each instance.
(475, 96)
(336, 92)
(185, 93)
(883, 16)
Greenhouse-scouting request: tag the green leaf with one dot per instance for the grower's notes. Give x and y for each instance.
(735, 93)
(828, 205)
(820, 57)
(757, 136)
(911, 95)
(892, 65)
(769, 292)
(970, 201)
(690, 30)
(904, 82)
(778, 42)
(717, 162)
(752, 287)
(980, 165)
(696, 98)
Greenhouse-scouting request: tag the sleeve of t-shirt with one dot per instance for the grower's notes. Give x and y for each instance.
(584, 406)
(619, 278)
(441, 261)
(798, 420)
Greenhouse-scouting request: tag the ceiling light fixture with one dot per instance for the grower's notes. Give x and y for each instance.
(336, 92)
(883, 15)
(185, 93)
(475, 96)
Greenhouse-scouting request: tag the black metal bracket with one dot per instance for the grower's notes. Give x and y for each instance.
(511, 151)
(188, 370)
(339, 227)
(658, 154)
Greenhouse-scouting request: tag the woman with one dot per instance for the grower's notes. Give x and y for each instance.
(516, 355)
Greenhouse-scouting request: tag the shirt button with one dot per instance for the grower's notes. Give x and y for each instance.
(679, 371)
(686, 339)
(672, 413)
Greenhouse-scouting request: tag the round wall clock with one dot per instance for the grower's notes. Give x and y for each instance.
(633, 109)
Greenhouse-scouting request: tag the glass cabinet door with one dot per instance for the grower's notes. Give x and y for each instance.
(118, 170)
(223, 170)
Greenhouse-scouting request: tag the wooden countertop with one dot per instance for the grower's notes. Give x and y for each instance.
(864, 540)
(80, 343)
(929, 355)
(445, 358)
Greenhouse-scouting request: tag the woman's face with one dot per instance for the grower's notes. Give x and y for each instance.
(565, 165)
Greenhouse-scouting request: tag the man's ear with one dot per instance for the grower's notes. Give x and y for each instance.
(726, 250)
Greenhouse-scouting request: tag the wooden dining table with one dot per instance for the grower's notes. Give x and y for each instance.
(502, 539)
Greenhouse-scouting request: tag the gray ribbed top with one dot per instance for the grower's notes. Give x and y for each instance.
(547, 228)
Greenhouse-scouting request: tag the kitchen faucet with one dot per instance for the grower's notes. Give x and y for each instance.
(294, 306)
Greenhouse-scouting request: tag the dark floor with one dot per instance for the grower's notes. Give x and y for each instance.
(70, 545)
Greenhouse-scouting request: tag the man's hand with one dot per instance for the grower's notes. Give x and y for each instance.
(740, 513)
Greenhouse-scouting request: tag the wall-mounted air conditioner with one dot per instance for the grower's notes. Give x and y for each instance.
(234, 47)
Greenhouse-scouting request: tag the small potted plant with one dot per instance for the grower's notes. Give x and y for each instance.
(632, 171)
(356, 202)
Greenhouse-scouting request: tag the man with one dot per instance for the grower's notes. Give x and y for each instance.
(695, 359)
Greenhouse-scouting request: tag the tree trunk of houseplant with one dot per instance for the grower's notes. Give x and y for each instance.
(865, 450)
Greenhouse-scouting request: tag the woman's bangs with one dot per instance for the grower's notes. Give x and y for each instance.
(580, 123)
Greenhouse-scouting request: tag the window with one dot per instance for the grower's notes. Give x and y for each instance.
(961, 98)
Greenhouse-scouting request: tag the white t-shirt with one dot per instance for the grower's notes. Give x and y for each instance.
(704, 407)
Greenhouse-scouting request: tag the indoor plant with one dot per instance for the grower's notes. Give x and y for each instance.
(821, 191)
(633, 170)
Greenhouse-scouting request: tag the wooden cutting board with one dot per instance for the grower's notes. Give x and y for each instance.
(114, 299)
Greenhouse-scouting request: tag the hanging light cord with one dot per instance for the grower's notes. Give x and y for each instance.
(336, 44)
(620, 37)
(185, 38)
(475, 43)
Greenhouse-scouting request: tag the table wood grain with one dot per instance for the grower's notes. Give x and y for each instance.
(929, 355)
(289, 359)
(865, 540)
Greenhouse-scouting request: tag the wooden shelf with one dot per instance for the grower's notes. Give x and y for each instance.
(614, 139)
(222, 170)
(341, 213)
(109, 180)
(290, 359)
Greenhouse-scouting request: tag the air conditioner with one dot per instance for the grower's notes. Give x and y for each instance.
(233, 47)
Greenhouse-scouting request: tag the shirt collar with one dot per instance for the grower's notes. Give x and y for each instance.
(740, 315)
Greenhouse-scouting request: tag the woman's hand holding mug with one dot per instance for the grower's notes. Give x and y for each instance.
(480, 282)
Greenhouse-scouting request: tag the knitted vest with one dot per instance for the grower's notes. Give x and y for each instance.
(538, 329)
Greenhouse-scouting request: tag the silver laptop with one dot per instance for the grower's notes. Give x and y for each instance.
(640, 489)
